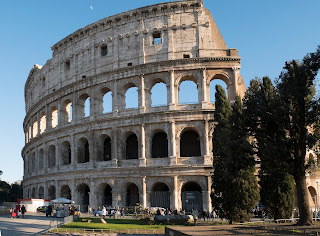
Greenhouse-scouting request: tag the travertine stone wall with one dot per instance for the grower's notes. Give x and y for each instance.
(168, 43)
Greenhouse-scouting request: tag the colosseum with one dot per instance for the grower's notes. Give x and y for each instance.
(153, 155)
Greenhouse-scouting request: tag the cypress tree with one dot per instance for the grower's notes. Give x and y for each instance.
(234, 183)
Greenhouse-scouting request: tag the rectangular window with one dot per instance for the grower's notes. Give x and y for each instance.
(157, 38)
(104, 50)
(67, 65)
(186, 56)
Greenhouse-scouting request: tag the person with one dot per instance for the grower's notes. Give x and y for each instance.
(204, 214)
(49, 210)
(122, 212)
(195, 215)
(104, 212)
(23, 210)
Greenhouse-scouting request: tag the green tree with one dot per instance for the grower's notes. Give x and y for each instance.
(290, 124)
(300, 105)
(235, 186)
(264, 119)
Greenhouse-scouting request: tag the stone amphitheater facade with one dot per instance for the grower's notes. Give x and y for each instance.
(155, 156)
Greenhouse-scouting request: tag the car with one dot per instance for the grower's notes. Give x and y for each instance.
(42, 209)
(99, 212)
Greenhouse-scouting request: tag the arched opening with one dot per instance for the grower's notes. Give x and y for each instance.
(160, 145)
(68, 111)
(131, 97)
(54, 117)
(29, 133)
(132, 147)
(191, 196)
(33, 193)
(213, 84)
(83, 197)
(160, 196)
(107, 197)
(87, 107)
(132, 195)
(43, 122)
(83, 106)
(66, 192)
(65, 153)
(41, 158)
(52, 156)
(107, 100)
(51, 193)
(159, 95)
(313, 194)
(83, 151)
(41, 193)
(35, 128)
(107, 149)
(33, 162)
(188, 92)
(190, 144)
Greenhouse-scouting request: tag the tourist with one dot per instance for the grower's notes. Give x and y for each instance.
(49, 210)
(195, 215)
(23, 210)
(104, 212)
(122, 212)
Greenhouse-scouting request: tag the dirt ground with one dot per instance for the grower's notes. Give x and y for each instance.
(255, 229)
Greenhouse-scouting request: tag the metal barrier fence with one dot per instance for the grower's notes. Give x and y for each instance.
(122, 231)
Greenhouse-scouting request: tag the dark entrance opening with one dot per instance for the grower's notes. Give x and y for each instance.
(191, 196)
(66, 153)
(132, 147)
(108, 196)
(160, 196)
(66, 192)
(107, 149)
(41, 193)
(132, 195)
(83, 196)
(190, 144)
(83, 151)
(160, 145)
(52, 192)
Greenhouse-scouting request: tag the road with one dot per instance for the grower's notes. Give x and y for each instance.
(32, 224)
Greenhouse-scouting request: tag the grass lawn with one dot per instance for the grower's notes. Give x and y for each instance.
(114, 224)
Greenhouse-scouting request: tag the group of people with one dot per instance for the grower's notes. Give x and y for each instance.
(115, 212)
(15, 211)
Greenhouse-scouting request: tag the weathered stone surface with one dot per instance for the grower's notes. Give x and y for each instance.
(65, 152)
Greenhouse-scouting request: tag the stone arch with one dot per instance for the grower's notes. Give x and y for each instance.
(313, 194)
(41, 193)
(155, 93)
(104, 195)
(131, 95)
(214, 79)
(187, 89)
(66, 192)
(83, 150)
(132, 146)
(35, 127)
(160, 195)
(43, 122)
(191, 196)
(105, 99)
(190, 144)
(159, 144)
(83, 106)
(67, 111)
(51, 192)
(51, 156)
(105, 148)
(54, 117)
(65, 153)
(83, 196)
(132, 194)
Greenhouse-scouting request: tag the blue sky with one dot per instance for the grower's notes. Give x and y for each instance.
(266, 33)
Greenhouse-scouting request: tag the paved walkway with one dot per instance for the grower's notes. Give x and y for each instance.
(32, 224)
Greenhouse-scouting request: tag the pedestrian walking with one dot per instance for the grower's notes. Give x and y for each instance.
(23, 210)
